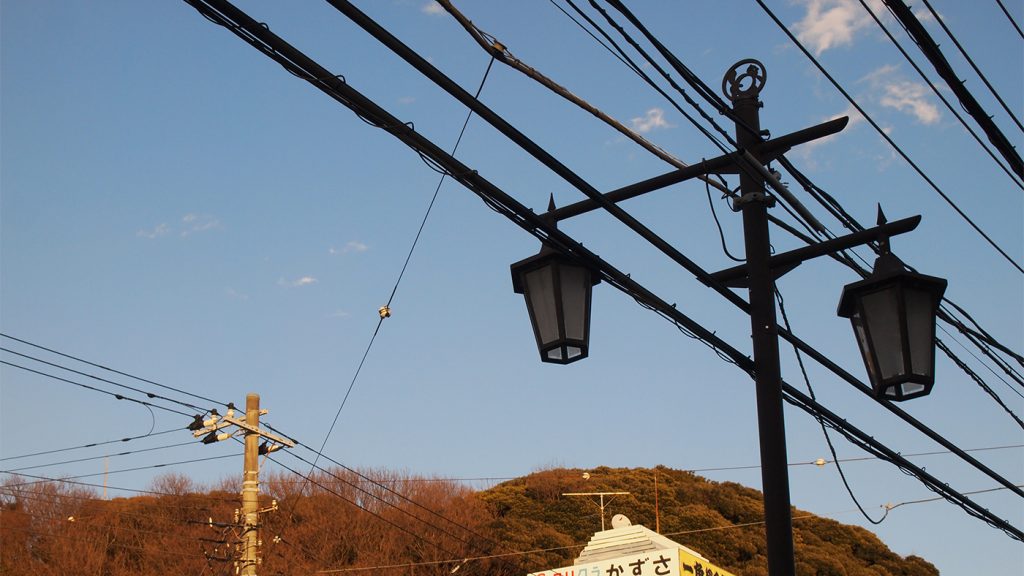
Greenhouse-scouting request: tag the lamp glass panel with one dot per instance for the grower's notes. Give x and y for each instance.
(574, 351)
(881, 314)
(863, 344)
(920, 325)
(555, 353)
(540, 291)
(574, 300)
(911, 388)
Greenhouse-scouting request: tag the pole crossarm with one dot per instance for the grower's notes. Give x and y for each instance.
(730, 163)
(297, 63)
(735, 277)
(227, 420)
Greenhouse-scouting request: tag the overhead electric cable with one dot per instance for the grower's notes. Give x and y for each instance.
(571, 247)
(977, 379)
(967, 57)
(118, 372)
(823, 198)
(888, 138)
(90, 458)
(94, 485)
(357, 505)
(104, 380)
(385, 501)
(91, 445)
(1016, 180)
(934, 55)
(1010, 18)
(301, 65)
(136, 469)
(94, 389)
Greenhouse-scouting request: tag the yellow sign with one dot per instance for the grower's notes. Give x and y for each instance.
(690, 565)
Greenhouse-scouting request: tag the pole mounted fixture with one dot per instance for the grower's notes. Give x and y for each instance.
(893, 316)
(248, 546)
(557, 290)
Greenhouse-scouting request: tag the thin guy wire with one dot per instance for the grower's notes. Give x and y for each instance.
(821, 421)
(380, 320)
(888, 138)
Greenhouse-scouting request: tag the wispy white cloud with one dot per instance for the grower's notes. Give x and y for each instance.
(894, 91)
(653, 119)
(913, 98)
(235, 294)
(832, 23)
(193, 223)
(298, 282)
(406, 100)
(432, 8)
(352, 246)
(339, 314)
(157, 231)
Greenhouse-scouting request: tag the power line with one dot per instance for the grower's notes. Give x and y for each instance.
(104, 380)
(931, 51)
(136, 469)
(967, 57)
(94, 389)
(1010, 18)
(940, 96)
(118, 372)
(92, 445)
(93, 485)
(301, 65)
(888, 138)
(90, 458)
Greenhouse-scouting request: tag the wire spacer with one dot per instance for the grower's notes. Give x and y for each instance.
(384, 311)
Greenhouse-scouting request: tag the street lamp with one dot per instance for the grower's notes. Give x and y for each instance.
(893, 311)
(557, 291)
(893, 315)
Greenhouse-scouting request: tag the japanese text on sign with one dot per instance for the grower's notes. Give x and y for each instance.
(656, 563)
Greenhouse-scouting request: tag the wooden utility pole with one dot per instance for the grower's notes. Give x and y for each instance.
(248, 558)
(251, 489)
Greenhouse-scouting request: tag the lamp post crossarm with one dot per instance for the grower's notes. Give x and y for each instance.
(733, 162)
(735, 277)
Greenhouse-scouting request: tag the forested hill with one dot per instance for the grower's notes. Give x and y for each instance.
(391, 523)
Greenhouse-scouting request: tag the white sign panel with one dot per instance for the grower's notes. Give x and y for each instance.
(651, 563)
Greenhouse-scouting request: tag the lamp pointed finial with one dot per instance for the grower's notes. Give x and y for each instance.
(881, 216)
(551, 202)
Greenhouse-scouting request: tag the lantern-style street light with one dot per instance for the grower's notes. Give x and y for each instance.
(557, 290)
(893, 315)
(893, 310)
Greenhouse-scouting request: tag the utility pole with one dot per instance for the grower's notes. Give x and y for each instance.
(743, 87)
(248, 558)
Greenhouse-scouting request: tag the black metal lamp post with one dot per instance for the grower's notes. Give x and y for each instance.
(893, 311)
(557, 292)
(893, 316)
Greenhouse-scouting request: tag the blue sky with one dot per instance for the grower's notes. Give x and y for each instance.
(177, 206)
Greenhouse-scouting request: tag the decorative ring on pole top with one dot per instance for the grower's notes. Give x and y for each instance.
(745, 79)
